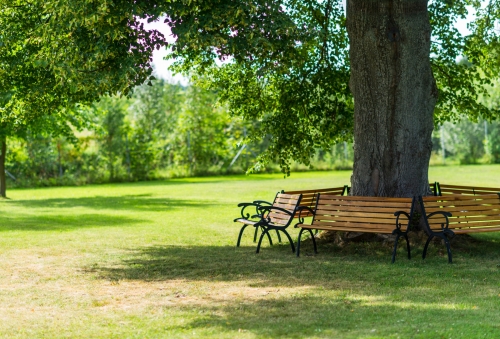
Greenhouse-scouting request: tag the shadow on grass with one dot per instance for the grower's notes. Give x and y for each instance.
(139, 202)
(64, 222)
(278, 266)
(343, 292)
(342, 317)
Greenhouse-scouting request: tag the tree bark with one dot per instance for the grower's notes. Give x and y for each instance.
(394, 96)
(3, 182)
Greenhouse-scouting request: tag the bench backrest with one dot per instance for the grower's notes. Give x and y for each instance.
(360, 214)
(289, 202)
(466, 190)
(471, 212)
(434, 188)
(309, 197)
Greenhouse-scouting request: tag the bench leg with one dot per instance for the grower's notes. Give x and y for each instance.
(395, 248)
(447, 242)
(289, 239)
(257, 232)
(239, 236)
(424, 253)
(408, 246)
(265, 231)
(298, 242)
(313, 240)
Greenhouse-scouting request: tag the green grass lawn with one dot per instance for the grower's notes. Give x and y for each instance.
(158, 259)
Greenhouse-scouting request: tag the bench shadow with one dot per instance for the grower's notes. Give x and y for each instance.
(341, 286)
(138, 202)
(276, 265)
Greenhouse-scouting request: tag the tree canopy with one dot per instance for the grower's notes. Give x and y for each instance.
(287, 64)
(56, 53)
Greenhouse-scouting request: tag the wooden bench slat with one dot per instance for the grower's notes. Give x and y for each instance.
(468, 187)
(476, 230)
(347, 229)
(388, 214)
(286, 206)
(286, 201)
(387, 220)
(474, 217)
(474, 213)
(452, 197)
(447, 190)
(279, 215)
(360, 198)
(288, 196)
(477, 224)
(356, 224)
(363, 203)
(459, 203)
(361, 209)
(462, 209)
(353, 227)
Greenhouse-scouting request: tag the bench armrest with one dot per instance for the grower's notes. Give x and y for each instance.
(302, 209)
(445, 214)
(398, 214)
(260, 202)
(301, 218)
(246, 215)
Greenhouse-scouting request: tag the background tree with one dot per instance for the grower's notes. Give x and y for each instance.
(111, 131)
(154, 113)
(201, 137)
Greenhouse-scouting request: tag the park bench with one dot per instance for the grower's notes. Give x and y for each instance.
(467, 190)
(308, 200)
(266, 216)
(309, 197)
(449, 214)
(359, 214)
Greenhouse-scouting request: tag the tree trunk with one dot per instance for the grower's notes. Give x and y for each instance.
(394, 96)
(3, 182)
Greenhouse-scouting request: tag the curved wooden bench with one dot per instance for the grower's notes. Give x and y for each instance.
(449, 214)
(360, 214)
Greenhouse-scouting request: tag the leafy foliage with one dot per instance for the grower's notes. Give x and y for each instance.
(287, 68)
(286, 65)
(56, 53)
